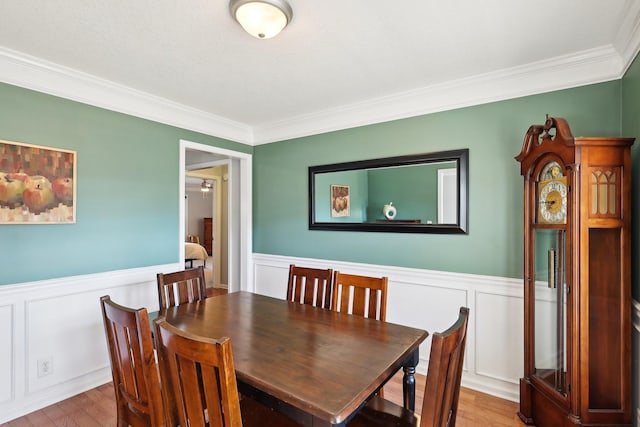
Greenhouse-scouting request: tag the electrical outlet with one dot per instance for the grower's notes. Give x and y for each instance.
(45, 366)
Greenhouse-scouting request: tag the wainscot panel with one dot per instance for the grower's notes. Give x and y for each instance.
(430, 300)
(499, 315)
(53, 328)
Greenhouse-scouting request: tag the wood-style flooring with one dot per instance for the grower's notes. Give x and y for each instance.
(97, 407)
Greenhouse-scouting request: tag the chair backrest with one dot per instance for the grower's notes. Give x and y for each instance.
(198, 377)
(181, 287)
(133, 365)
(310, 286)
(360, 295)
(440, 404)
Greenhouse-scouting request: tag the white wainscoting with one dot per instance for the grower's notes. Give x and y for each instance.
(60, 321)
(430, 300)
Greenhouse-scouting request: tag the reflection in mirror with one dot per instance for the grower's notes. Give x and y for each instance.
(423, 193)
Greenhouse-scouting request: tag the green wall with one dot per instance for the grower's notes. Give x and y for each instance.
(127, 210)
(127, 188)
(492, 132)
(631, 127)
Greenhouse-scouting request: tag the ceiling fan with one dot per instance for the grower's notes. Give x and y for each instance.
(206, 186)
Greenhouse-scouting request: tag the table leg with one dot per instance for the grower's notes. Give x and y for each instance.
(409, 381)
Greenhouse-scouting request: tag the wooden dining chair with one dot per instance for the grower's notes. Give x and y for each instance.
(442, 389)
(133, 365)
(360, 295)
(310, 286)
(181, 287)
(199, 380)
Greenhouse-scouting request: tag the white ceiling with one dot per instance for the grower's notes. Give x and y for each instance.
(339, 64)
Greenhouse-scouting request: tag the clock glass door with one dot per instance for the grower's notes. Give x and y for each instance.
(550, 307)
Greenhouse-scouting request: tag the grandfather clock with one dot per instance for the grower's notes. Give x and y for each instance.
(577, 278)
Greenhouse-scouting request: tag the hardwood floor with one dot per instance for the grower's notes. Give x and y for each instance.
(97, 407)
(474, 408)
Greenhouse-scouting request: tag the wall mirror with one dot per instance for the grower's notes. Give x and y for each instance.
(420, 193)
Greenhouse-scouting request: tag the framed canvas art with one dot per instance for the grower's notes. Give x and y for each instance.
(37, 184)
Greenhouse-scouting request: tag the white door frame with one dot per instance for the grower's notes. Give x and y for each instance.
(240, 207)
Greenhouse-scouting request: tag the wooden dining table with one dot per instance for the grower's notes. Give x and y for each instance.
(317, 366)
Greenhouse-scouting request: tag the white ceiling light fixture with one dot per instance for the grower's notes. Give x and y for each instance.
(262, 19)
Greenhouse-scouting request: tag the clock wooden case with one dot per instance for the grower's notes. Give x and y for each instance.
(577, 278)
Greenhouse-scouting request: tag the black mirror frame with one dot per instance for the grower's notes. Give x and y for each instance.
(461, 157)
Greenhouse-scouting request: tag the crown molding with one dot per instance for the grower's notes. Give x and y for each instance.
(627, 41)
(583, 68)
(597, 65)
(29, 72)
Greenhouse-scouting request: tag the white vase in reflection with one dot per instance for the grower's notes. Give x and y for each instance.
(389, 211)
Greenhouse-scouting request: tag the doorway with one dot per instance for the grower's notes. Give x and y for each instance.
(206, 214)
(238, 227)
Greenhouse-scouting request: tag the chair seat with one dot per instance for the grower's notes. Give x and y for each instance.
(382, 412)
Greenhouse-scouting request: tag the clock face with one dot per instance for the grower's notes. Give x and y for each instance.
(552, 201)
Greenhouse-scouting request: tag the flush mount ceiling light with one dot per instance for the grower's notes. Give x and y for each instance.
(262, 19)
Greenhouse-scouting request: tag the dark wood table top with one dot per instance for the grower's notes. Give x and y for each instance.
(321, 362)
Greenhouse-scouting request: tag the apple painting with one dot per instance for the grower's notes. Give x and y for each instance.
(12, 186)
(38, 195)
(340, 204)
(63, 189)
